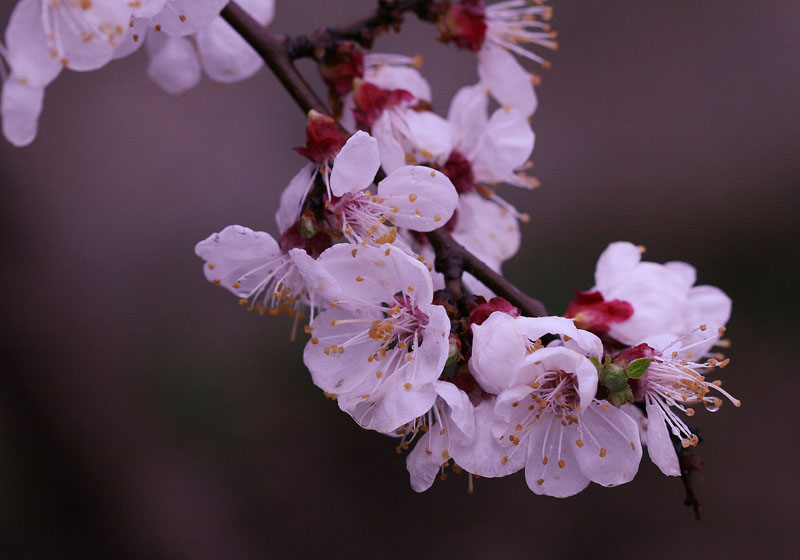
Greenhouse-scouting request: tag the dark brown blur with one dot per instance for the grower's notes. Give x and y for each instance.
(144, 414)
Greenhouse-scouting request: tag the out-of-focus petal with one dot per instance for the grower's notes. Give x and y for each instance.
(20, 106)
(506, 79)
(173, 63)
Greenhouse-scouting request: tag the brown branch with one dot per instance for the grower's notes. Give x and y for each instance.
(453, 251)
(274, 49)
(388, 15)
(451, 257)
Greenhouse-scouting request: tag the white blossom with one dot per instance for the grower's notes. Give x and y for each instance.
(664, 299)
(383, 344)
(546, 408)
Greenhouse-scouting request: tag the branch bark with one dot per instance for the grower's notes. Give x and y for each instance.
(274, 49)
(388, 15)
(451, 257)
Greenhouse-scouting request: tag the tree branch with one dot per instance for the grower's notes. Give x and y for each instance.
(451, 257)
(444, 243)
(388, 15)
(274, 49)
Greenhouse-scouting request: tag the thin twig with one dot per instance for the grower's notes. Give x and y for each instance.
(274, 50)
(442, 240)
(388, 15)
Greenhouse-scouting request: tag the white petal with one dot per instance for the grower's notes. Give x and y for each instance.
(548, 443)
(20, 107)
(425, 198)
(373, 275)
(108, 24)
(398, 400)
(428, 133)
(611, 448)
(484, 454)
(615, 265)
(684, 270)
(498, 350)
(505, 409)
(239, 255)
(432, 352)
(135, 39)
(508, 82)
(356, 164)
(505, 145)
(468, 115)
(560, 358)
(184, 17)
(536, 327)
(340, 373)
(293, 196)
(461, 411)
(390, 77)
(225, 56)
(173, 63)
(28, 49)
(486, 229)
(391, 152)
(659, 444)
(426, 458)
(709, 306)
(146, 8)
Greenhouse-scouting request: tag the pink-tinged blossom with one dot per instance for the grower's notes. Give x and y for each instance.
(387, 73)
(663, 297)
(383, 344)
(415, 197)
(176, 60)
(671, 385)
(405, 135)
(488, 149)
(494, 32)
(43, 37)
(340, 161)
(546, 409)
(252, 266)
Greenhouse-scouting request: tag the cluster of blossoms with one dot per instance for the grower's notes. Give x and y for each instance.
(457, 374)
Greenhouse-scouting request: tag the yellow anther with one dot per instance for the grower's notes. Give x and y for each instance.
(603, 451)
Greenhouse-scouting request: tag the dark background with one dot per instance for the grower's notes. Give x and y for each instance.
(144, 414)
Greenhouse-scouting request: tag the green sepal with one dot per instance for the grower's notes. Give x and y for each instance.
(613, 378)
(637, 368)
(621, 397)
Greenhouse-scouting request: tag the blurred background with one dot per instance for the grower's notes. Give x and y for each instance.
(143, 413)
